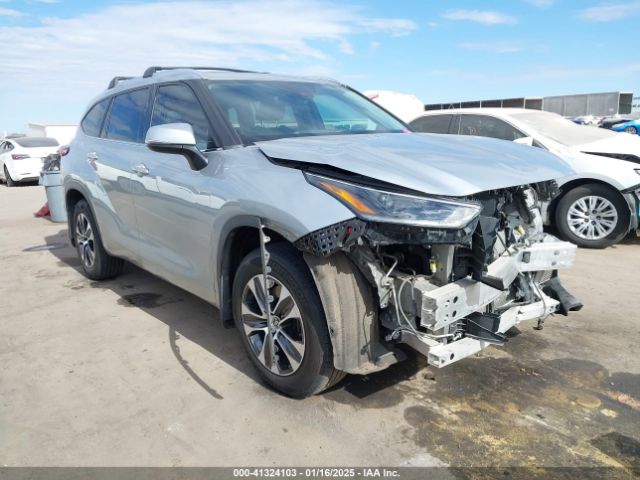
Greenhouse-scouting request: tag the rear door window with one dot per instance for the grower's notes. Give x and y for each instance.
(92, 122)
(178, 104)
(485, 126)
(128, 119)
(432, 124)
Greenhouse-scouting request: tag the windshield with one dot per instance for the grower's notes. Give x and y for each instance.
(267, 110)
(32, 142)
(561, 130)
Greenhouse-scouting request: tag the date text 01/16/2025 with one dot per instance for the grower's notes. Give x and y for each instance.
(316, 472)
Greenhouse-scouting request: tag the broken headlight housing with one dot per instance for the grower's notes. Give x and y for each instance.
(390, 207)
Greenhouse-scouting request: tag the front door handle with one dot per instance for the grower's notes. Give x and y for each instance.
(141, 170)
(92, 157)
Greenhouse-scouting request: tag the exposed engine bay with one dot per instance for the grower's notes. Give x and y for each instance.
(451, 292)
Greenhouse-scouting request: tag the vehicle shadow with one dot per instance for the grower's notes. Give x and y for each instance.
(33, 183)
(632, 239)
(167, 303)
(381, 389)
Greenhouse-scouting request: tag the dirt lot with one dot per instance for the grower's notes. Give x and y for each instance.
(135, 371)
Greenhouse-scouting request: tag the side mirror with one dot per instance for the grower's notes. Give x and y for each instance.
(524, 141)
(176, 138)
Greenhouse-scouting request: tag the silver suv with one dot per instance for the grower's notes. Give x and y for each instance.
(318, 223)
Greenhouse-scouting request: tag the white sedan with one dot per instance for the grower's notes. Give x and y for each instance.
(597, 205)
(21, 158)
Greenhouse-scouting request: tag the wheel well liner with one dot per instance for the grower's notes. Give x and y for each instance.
(351, 311)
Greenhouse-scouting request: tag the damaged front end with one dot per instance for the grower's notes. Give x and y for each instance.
(450, 276)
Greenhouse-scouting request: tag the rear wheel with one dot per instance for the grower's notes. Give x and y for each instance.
(292, 352)
(96, 262)
(7, 178)
(631, 129)
(592, 216)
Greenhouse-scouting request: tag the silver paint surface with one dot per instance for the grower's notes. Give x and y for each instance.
(434, 164)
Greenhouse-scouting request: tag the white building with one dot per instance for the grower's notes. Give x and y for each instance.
(63, 132)
(403, 105)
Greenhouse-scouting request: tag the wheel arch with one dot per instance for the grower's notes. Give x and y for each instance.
(348, 300)
(74, 192)
(73, 195)
(240, 236)
(578, 182)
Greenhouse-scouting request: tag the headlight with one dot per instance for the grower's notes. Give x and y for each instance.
(387, 207)
(637, 171)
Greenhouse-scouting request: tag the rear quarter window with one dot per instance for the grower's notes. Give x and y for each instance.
(92, 122)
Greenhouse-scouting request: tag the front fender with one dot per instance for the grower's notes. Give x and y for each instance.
(620, 174)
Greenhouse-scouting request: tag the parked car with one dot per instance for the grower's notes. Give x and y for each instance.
(610, 121)
(312, 219)
(629, 126)
(586, 120)
(21, 158)
(598, 203)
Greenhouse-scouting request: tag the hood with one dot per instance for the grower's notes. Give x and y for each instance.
(448, 165)
(623, 143)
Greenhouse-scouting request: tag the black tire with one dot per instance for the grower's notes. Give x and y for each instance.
(103, 266)
(7, 178)
(593, 189)
(631, 129)
(315, 372)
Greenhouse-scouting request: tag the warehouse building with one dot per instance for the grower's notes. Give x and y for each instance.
(599, 104)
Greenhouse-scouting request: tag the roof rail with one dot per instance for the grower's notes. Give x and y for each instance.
(115, 80)
(151, 70)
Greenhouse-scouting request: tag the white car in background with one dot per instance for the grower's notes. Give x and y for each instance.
(21, 158)
(599, 204)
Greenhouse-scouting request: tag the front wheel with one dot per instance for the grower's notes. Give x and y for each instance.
(631, 129)
(592, 216)
(283, 327)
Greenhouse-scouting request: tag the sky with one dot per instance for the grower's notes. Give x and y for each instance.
(56, 55)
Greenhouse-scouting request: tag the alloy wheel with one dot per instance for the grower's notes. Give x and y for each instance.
(592, 217)
(272, 323)
(85, 240)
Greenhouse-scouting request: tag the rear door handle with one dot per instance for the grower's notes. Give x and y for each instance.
(92, 156)
(141, 170)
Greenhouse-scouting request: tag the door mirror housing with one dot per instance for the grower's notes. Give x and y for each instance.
(177, 138)
(524, 141)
